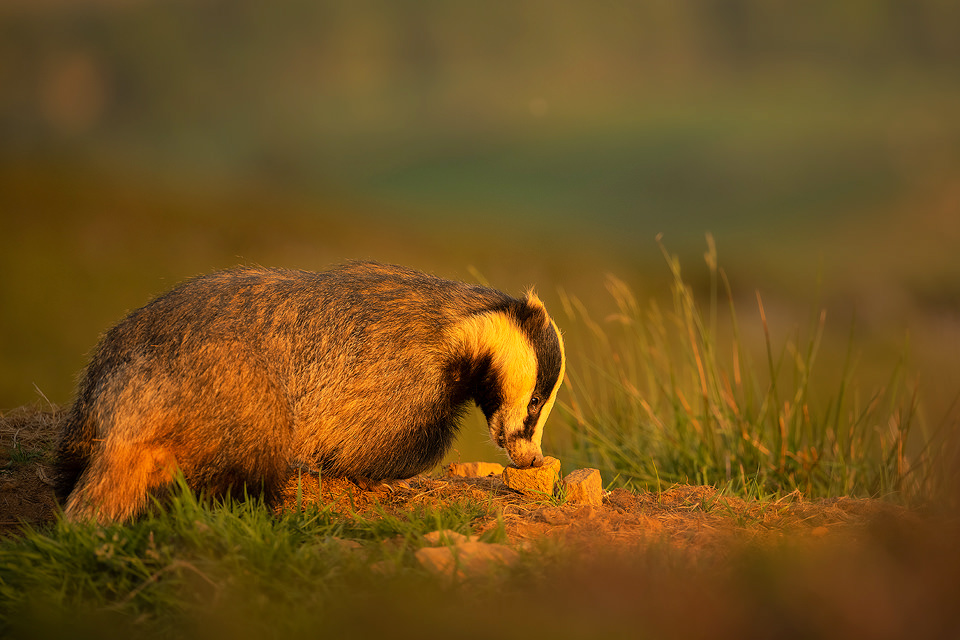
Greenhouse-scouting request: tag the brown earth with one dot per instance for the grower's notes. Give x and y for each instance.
(26, 471)
(686, 562)
(694, 517)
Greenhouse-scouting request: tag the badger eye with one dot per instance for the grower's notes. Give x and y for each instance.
(534, 403)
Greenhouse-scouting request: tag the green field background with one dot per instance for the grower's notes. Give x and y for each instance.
(519, 143)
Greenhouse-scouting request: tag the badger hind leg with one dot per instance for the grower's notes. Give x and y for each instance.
(117, 484)
(124, 472)
(214, 412)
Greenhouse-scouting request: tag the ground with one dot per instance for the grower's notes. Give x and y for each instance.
(683, 562)
(26, 473)
(693, 517)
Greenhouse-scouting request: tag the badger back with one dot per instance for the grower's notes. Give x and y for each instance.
(379, 389)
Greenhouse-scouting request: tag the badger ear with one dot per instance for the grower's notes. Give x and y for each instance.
(532, 313)
(532, 300)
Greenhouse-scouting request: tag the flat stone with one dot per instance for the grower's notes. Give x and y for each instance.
(478, 556)
(474, 469)
(535, 481)
(346, 545)
(465, 559)
(438, 560)
(584, 486)
(445, 536)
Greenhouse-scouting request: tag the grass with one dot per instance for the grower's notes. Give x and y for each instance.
(19, 455)
(675, 395)
(199, 568)
(656, 395)
(174, 564)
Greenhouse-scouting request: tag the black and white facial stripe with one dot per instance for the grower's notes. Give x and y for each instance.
(524, 351)
(546, 344)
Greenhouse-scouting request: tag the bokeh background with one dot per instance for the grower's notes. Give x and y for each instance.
(522, 142)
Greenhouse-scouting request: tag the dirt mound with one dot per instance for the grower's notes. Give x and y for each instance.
(688, 517)
(27, 436)
(684, 562)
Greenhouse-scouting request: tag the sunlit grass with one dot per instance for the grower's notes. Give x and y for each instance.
(665, 395)
(192, 555)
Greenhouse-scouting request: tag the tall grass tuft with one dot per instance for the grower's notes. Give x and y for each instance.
(673, 395)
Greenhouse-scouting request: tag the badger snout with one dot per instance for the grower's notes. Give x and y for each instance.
(523, 452)
(527, 458)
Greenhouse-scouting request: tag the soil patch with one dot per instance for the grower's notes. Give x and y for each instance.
(685, 517)
(687, 562)
(27, 437)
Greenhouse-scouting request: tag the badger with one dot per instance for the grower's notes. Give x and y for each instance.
(364, 371)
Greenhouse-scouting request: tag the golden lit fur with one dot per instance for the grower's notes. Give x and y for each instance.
(361, 371)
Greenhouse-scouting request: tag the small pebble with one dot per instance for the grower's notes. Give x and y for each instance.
(584, 486)
(536, 481)
(445, 536)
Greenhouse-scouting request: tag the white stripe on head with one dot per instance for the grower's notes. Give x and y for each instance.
(548, 406)
(512, 357)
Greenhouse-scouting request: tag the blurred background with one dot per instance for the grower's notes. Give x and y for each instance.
(522, 142)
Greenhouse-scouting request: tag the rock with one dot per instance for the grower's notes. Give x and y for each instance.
(465, 559)
(474, 469)
(537, 481)
(584, 486)
(345, 545)
(478, 556)
(438, 560)
(445, 536)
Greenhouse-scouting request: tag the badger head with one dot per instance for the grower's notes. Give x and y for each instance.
(518, 352)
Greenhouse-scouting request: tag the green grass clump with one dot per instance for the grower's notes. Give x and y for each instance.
(18, 456)
(196, 561)
(668, 396)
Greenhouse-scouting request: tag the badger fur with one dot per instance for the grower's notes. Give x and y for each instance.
(363, 371)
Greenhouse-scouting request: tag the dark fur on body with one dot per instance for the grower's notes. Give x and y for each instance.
(234, 376)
